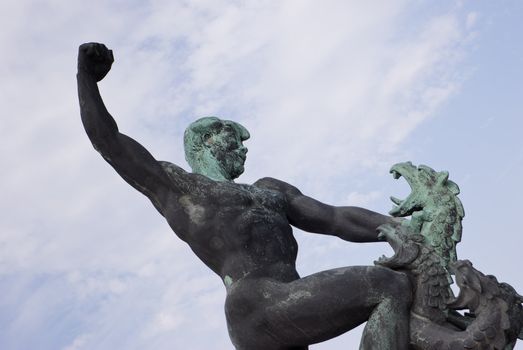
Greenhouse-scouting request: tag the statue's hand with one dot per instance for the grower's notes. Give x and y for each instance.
(398, 222)
(385, 231)
(95, 59)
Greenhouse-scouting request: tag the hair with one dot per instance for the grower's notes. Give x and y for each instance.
(195, 135)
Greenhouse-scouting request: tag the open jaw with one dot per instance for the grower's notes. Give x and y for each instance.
(405, 250)
(407, 206)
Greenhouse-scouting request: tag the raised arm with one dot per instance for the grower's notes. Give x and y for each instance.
(130, 159)
(349, 223)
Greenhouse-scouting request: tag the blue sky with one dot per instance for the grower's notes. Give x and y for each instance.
(333, 95)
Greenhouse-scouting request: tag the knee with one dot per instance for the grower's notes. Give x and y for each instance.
(400, 288)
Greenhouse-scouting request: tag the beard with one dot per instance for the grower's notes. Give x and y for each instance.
(230, 161)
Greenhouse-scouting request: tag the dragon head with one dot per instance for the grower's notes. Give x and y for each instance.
(406, 246)
(425, 183)
(472, 285)
(484, 294)
(434, 206)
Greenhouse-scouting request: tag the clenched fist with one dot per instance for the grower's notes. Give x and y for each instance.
(95, 59)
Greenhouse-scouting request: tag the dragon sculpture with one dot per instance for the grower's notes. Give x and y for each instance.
(425, 249)
(434, 206)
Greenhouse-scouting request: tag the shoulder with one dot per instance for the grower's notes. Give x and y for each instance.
(278, 185)
(181, 179)
(172, 169)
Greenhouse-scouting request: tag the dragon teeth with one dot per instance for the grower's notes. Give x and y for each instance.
(396, 200)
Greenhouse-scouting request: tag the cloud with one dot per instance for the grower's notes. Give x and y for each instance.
(278, 79)
(79, 342)
(327, 92)
(362, 199)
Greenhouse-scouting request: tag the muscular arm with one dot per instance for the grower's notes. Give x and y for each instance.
(349, 223)
(132, 161)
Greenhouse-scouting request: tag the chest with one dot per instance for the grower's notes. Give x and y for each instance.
(223, 206)
(248, 196)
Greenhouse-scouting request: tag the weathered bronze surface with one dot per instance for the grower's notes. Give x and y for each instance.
(425, 249)
(243, 233)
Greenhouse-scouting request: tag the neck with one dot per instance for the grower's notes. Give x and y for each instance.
(214, 174)
(208, 166)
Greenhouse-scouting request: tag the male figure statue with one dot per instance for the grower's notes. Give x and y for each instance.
(243, 233)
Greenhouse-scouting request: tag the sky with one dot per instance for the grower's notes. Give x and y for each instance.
(333, 94)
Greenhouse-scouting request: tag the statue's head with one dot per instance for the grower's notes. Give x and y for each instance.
(214, 147)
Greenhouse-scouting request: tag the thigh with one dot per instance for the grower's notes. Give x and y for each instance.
(329, 303)
(311, 309)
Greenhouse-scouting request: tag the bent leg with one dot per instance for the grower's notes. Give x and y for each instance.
(329, 303)
(388, 325)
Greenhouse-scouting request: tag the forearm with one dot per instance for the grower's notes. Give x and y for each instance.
(357, 224)
(349, 223)
(98, 123)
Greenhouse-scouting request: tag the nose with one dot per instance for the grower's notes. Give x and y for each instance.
(244, 150)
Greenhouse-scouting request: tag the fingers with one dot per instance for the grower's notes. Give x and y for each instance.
(385, 230)
(97, 52)
(95, 59)
(109, 58)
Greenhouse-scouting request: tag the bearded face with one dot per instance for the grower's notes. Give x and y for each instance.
(226, 146)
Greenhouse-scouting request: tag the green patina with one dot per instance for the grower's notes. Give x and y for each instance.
(430, 279)
(425, 249)
(214, 148)
(434, 206)
(227, 280)
(385, 313)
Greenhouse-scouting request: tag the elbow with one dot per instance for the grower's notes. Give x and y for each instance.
(99, 133)
(101, 143)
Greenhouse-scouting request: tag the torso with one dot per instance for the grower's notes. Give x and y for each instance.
(237, 230)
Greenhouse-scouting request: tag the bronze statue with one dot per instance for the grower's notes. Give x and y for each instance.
(244, 233)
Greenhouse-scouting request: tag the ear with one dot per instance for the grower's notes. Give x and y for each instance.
(207, 139)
